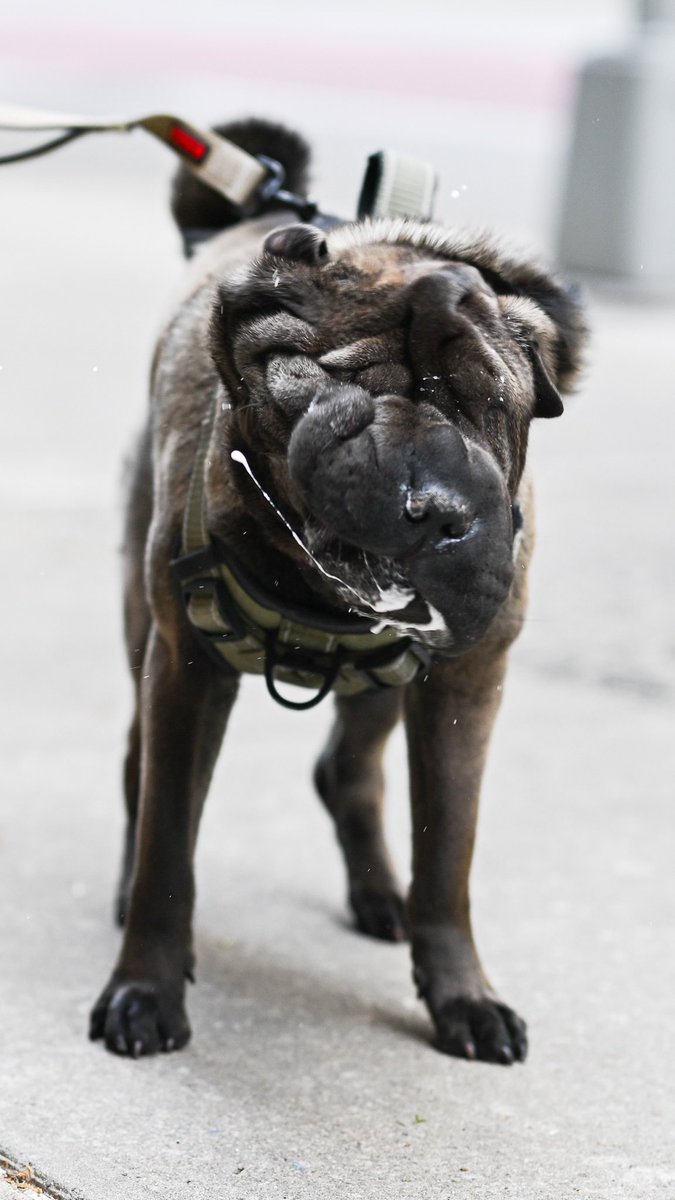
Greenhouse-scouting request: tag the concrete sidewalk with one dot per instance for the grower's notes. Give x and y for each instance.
(310, 1072)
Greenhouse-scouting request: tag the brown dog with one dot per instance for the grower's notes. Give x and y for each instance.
(331, 492)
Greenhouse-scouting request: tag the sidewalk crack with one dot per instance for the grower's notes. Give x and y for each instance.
(30, 1181)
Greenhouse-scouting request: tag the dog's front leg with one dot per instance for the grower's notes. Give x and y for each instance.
(184, 704)
(449, 718)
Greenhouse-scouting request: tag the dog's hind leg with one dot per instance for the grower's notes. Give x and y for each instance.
(137, 621)
(350, 781)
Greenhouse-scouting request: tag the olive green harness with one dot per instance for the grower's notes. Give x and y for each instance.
(250, 630)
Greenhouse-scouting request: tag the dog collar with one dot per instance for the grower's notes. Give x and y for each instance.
(240, 624)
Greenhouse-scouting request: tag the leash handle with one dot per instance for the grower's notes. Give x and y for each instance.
(16, 116)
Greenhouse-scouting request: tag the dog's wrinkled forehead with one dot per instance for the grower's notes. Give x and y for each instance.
(356, 281)
(356, 292)
(398, 308)
(301, 319)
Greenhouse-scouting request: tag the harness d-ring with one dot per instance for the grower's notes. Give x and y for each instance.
(329, 678)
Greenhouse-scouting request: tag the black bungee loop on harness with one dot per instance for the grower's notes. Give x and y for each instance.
(329, 677)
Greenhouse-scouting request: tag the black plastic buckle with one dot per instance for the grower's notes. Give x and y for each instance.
(272, 189)
(382, 658)
(190, 577)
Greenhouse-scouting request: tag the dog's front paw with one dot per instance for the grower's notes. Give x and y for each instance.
(379, 914)
(141, 1017)
(481, 1028)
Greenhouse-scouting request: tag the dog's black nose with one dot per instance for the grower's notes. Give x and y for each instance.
(441, 514)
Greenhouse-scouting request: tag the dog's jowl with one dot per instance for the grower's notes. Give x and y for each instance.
(331, 491)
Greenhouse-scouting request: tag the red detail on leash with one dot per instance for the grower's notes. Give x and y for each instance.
(188, 144)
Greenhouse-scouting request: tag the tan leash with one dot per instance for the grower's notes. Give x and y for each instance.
(395, 185)
(226, 168)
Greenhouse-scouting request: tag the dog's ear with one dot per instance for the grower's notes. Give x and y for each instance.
(552, 328)
(548, 401)
(559, 368)
(563, 305)
(298, 243)
(221, 337)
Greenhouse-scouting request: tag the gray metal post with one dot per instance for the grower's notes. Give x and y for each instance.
(618, 213)
(656, 10)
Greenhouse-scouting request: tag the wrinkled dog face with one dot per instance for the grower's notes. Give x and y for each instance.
(389, 375)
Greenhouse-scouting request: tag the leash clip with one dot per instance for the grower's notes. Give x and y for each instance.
(272, 188)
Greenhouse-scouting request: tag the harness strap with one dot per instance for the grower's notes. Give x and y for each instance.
(195, 530)
(238, 623)
(246, 628)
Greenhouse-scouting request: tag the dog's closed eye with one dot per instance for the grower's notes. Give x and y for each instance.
(272, 333)
(363, 353)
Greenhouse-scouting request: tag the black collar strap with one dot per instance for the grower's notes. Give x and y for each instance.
(239, 623)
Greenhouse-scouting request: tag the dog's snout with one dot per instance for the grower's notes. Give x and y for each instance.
(441, 514)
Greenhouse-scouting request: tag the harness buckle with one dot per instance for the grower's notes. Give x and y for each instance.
(194, 580)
